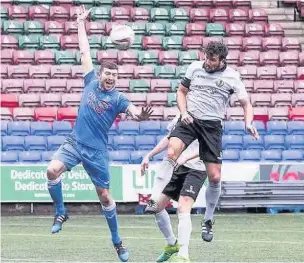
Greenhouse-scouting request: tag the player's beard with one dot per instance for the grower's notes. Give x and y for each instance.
(210, 70)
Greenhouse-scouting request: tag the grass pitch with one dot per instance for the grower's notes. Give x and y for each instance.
(238, 238)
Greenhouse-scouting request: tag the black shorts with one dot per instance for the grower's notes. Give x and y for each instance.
(186, 182)
(209, 134)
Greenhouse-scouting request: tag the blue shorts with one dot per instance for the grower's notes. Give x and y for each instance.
(95, 162)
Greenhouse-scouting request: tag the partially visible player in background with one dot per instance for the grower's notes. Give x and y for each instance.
(187, 180)
(87, 144)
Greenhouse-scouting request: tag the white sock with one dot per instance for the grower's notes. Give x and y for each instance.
(162, 178)
(213, 193)
(184, 233)
(163, 221)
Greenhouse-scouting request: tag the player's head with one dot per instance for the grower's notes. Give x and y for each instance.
(215, 57)
(108, 74)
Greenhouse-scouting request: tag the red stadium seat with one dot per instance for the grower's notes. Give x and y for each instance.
(107, 55)
(126, 72)
(152, 42)
(71, 100)
(269, 58)
(61, 71)
(233, 57)
(70, 27)
(280, 113)
(77, 71)
(146, 71)
(66, 3)
(274, 29)
(168, 57)
(45, 114)
(29, 100)
(297, 100)
(260, 113)
(272, 43)
(139, 13)
(158, 113)
(205, 3)
(256, 15)
(287, 72)
(198, 28)
(185, 3)
(235, 29)
(249, 57)
(300, 72)
(223, 3)
(50, 99)
(54, 27)
(67, 114)
(40, 71)
(157, 99)
(138, 99)
(299, 86)
(239, 14)
(75, 85)
(252, 43)
(34, 85)
(233, 43)
(44, 57)
(264, 86)
(267, 72)
(170, 113)
(7, 56)
(59, 13)
(199, 14)
(289, 57)
(218, 14)
(18, 72)
(23, 57)
(236, 113)
(97, 28)
(260, 99)
(194, 42)
(18, 12)
(9, 100)
(248, 71)
(127, 57)
(284, 86)
(23, 114)
(296, 114)
(3, 71)
(289, 43)
(249, 84)
(6, 114)
(123, 85)
(254, 30)
(242, 3)
(38, 12)
(69, 42)
(8, 41)
(120, 13)
(160, 85)
(280, 99)
(56, 85)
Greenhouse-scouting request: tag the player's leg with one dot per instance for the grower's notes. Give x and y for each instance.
(64, 159)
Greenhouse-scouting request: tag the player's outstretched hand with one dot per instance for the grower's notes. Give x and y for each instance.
(145, 114)
(82, 13)
(186, 118)
(144, 165)
(253, 131)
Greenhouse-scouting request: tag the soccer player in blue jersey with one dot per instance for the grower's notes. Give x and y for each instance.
(87, 144)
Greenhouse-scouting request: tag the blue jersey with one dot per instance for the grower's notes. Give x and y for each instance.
(97, 111)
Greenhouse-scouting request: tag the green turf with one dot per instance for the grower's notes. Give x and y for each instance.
(238, 238)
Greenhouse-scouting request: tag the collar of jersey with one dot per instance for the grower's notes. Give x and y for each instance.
(104, 90)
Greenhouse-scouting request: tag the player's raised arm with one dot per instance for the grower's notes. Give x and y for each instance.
(139, 114)
(84, 46)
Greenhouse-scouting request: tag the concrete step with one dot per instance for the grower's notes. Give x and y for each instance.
(280, 18)
(292, 25)
(279, 11)
(294, 32)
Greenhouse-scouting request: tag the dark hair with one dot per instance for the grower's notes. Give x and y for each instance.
(216, 49)
(108, 65)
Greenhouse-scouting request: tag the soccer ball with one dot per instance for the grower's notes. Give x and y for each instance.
(122, 36)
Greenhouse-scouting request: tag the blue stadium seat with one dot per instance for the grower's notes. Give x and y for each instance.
(42, 128)
(260, 127)
(30, 157)
(145, 142)
(250, 143)
(62, 128)
(271, 155)
(137, 156)
(3, 128)
(20, 128)
(231, 155)
(124, 142)
(35, 143)
(54, 142)
(9, 157)
(234, 127)
(159, 157)
(295, 142)
(163, 127)
(232, 142)
(47, 156)
(119, 156)
(292, 155)
(128, 128)
(113, 130)
(250, 155)
(295, 127)
(149, 127)
(110, 146)
(276, 127)
(159, 137)
(13, 143)
(274, 142)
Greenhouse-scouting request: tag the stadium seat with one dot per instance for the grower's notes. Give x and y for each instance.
(7, 56)
(150, 127)
(126, 72)
(215, 29)
(139, 85)
(236, 113)
(38, 12)
(157, 99)
(295, 142)
(67, 114)
(280, 99)
(295, 127)
(159, 14)
(235, 29)
(77, 71)
(232, 142)
(238, 15)
(12, 86)
(139, 13)
(292, 155)
(287, 72)
(127, 57)
(280, 113)
(100, 13)
(267, 72)
(274, 29)
(9, 100)
(18, 72)
(257, 15)
(252, 43)
(107, 55)
(172, 42)
(120, 13)
(148, 57)
(3, 126)
(59, 13)
(145, 71)
(30, 157)
(301, 59)
(54, 142)
(56, 85)
(23, 114)
(271, 155)
(6, 114)
(128, 128)
(187, 57)
(283, 86)
(8, 41)
(41, 128)
(299, 86)
(249, 58)
(248, 71)
(74, 85)
(164, 127)
(175, 29)
(67, 57)
(145, 142)
(234, 127)
(12, 143)
(72, 99)
(9, 157)
(251, 144)
(45, 114)
(263, 86)
(32, 85)
(60, 71)
(46, 157)
(260, 117)
(123, 85)
(18, 128)
(300, 73)
(124, 142)
(50, 100)
(231, 155)
(195, 29)
(170, 113)
(18, 12)
(233, 57)
(218, 14)
(168, 57)
(44, 57)
(274, 142)
(160, 85)
(63, 128)
(254, 29)
(290, 43)
(120, 156)
(137, 156)
(95, 28)
(29, 42)
(35, 143)
(198, 14)
(23, 57)
(289, 57)
(138, 99)
(269, 58)
(250, 155)
(192, 42)
(54, 27)
(166, 72)
(277, 127)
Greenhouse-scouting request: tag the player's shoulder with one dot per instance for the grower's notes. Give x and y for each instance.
(231, 73)
(196, 64)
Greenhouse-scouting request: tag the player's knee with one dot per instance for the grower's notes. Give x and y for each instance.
(173, 153)
(104, 196)
(52, 173)
(214, 177)
(185, 204)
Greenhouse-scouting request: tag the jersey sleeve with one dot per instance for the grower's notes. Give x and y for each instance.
(123, 103)
(240, 89)
(186, 81)
(89, 77)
